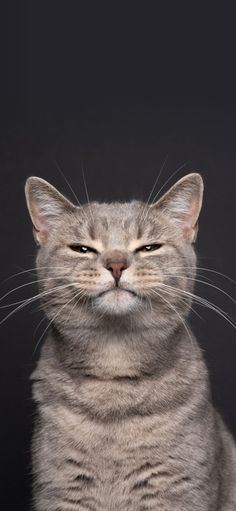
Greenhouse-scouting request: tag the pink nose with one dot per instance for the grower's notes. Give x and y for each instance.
(116, 268)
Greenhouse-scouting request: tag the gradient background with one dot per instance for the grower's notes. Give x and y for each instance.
(114, 88)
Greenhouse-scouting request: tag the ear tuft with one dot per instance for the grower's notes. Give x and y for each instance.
(45, 205)
(182, 204)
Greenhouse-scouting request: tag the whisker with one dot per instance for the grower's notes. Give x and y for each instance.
(32, 269)
(85, 299)
(26, 285)
(74, 194)
(38, 326)
(206, 284)
(177, 313)
(66, 180)
(201, 268)
(53, 319)
(28, 301)
(167, 181)
(203, 302)
(184, 301)
(87, 195)
(153, 188)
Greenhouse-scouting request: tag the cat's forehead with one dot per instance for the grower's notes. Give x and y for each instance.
(120, 213)
(117, 222)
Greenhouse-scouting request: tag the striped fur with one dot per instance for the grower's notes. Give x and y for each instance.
(124, 420)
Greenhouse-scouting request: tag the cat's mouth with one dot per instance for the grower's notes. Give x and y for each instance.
(117, 300)
(117, 289)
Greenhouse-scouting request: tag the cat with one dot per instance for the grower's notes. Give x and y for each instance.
(125, 420)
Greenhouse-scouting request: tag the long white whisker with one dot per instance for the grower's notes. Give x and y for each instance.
(53, 319)
(67, 182)
(184, 301)
(32, 269)
(176, 312)
(203, 302)
(153, 188)
(73, 306)
(202, 269)
(74, 194)
(26, 285)
(32, 299)
(167, 181)
(38, 326)
(87, 195)
(206, 284)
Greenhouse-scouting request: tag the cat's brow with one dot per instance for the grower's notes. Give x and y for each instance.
(152, 232)
(92, 231)
(104, 222)
(134, 244)
(127, 223)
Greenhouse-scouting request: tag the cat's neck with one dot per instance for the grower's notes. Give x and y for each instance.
(116, 378)
(117, 353)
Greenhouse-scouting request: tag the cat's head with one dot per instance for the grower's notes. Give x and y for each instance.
(115, 259)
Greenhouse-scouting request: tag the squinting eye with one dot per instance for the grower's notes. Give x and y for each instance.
(82, 249)
(149, 248)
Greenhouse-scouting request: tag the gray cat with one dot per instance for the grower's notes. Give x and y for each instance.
(125, 420)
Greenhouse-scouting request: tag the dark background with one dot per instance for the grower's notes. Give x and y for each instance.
(115, 88)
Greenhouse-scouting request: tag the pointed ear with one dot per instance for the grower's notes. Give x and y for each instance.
(45, 205)
(182, 204)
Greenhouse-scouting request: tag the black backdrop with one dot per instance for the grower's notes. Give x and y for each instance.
(115, 89)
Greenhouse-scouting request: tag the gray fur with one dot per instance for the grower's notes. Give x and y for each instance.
(125, 420)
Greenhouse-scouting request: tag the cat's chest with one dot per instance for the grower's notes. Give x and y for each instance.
(120, 462)
(127, 441)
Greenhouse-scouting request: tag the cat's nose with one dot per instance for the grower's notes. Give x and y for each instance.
(116, 268)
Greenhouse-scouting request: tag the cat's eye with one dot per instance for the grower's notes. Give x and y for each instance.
(149, 248)
(82, 249)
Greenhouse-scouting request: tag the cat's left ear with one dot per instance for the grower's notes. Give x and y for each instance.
(46, 206)
(182, 204)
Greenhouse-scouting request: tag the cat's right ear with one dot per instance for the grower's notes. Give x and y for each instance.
(45, 205)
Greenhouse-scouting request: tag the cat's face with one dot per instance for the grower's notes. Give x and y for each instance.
(115, 259)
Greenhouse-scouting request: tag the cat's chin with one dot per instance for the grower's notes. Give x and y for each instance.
(117, 302)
